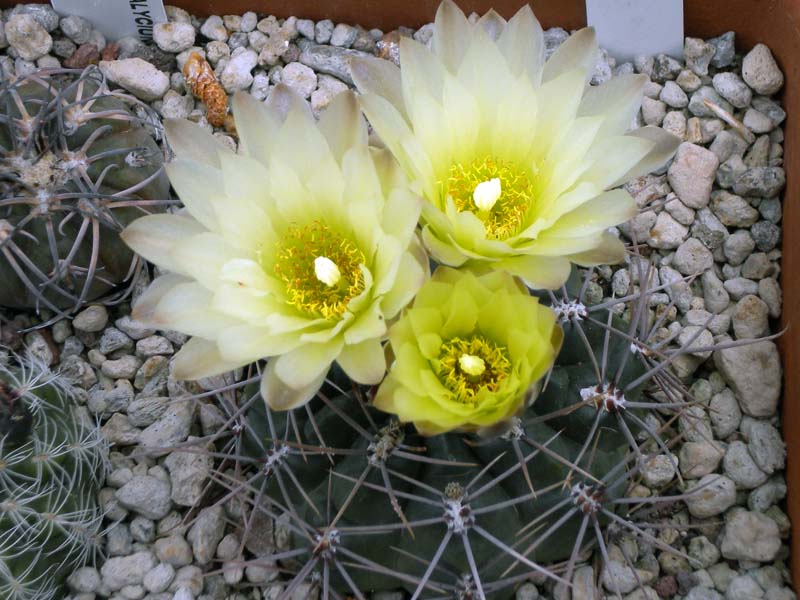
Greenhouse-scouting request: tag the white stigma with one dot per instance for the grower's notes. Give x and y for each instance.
(471, 365)
(327, 271)
(486, 194)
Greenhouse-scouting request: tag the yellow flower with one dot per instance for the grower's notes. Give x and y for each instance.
(468, 353)
(299, 247)
(514, 155)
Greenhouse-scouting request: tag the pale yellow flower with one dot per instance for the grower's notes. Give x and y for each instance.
(516, 157)
(300, 247)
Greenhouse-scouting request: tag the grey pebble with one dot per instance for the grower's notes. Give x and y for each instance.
(121, 571)
(329, 59)
(146, 496)
(724, 50)
(750, 536)
(76, 29)
(323, 31)
(731, 87)
(766, 235)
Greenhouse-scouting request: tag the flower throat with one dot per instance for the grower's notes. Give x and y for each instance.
(498, 192)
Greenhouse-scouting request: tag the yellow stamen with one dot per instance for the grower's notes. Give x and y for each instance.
(307, 278)
(502, 206)
(471, 364)
(327, 271)
(468, 366)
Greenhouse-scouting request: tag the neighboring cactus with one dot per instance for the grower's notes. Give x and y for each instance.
(52, 465)
(367, 504)
(78, 163)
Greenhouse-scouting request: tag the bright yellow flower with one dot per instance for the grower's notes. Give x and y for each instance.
(468, 353)
(514, 155)
(299, 247)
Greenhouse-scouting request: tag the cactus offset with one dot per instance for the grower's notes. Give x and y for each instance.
(52, 464)
(79, 162)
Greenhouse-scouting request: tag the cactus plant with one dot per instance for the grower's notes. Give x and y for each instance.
(78, 163)
(52, 464)
(366, 503)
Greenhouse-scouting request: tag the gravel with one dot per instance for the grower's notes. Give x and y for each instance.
(139, 77)
(753, 372)
(173, 37)
(27, 37)
(712, 495)
(122, 571)
(147, 496)
(691, 174)
(750, 536)
(761, 72)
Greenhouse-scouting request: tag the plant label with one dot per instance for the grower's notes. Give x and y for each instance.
(629, 27)
(116, 19)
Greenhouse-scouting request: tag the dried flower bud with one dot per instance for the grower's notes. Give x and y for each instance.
(204, 85)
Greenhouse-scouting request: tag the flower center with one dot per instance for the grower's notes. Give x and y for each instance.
(467, 366)
(498, 192)
(320, 268)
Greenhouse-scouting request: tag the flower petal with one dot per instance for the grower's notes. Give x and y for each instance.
(617, 101)
(451, 35)
(369, 324)
(614, 157)
(280, 396)
(492, 23)
(202, 257)
(302, 145)
(364, 363)
(374, 75)
(522, 43)
(610, 251)
(145, 305)
(199, 188)
(602, 212)
(242, 218)
(557, 105)
(440, 250)
(538, 272)
(578, 51)
(246, 343)
(401, 213)
(256, 125)
(396, 134)
(153, 237)
(199, 358)
(342, 124)
(185, 307)
(189, 141)
(304, 365)
(283, 100)
(664, 147)
(410, 277)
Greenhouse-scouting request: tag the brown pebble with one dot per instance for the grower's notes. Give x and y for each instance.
(85, 55)
(389, 47)
(111, 51)
(666, 587)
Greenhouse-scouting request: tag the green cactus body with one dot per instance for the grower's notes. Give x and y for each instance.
(356, 484)
(52, 464)
(79, 165)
